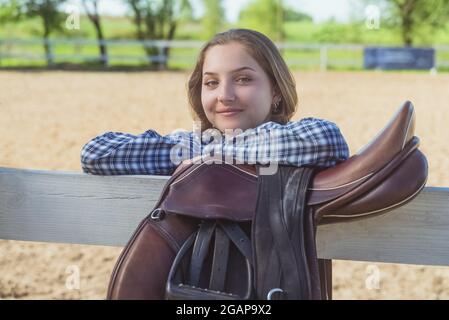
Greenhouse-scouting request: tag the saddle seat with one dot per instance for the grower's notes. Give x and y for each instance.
(385, 173)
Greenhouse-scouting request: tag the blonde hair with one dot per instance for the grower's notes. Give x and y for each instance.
(264, 51)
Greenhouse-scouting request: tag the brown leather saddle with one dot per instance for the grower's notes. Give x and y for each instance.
(387, 173)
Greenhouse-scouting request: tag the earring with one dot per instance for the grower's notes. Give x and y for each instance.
(276, 105)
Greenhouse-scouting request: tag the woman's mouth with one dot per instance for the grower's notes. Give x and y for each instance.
(230, 113)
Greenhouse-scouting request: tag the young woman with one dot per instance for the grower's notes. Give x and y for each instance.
(241, 86)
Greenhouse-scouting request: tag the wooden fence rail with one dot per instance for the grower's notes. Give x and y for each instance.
(72, 207)
(318, 55)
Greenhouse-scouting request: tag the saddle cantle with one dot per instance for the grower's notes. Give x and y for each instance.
(386, 173)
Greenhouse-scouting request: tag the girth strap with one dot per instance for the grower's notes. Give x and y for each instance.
(281, 258)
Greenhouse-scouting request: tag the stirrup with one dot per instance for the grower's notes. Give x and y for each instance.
(178, 289)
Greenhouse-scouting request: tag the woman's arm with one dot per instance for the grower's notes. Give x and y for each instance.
(116, 153)
(319, 141)
(310, 141)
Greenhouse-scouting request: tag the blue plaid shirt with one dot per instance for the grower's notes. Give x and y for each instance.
(309, 141)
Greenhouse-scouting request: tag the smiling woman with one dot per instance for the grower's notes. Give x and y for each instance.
(236, 98)
(241, 70)
(241, 84)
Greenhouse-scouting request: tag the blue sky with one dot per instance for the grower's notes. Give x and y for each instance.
(320, 10)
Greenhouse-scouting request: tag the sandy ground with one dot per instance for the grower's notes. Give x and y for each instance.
(46, 117)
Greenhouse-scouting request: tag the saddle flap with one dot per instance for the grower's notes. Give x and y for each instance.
(226, 192)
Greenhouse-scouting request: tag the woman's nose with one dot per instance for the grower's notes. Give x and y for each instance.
(226, 93)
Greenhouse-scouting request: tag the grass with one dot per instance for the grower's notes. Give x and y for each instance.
(123, 28)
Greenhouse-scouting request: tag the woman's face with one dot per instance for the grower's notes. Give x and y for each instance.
(236, 92)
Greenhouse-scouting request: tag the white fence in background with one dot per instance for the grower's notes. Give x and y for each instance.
(317, 56)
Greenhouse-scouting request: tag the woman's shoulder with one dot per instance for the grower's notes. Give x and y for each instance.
(312, 120)
(311, 123)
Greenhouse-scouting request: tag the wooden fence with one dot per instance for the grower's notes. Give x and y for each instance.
(73, 207)
(182, 53)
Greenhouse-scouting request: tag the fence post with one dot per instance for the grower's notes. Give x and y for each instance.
(323, 58)
(103, 53)
(160, 57)
(48, 52)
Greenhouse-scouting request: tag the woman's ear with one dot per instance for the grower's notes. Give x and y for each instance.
(276, 99)
(276, 95)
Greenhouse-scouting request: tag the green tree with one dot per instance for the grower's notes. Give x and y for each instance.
(157, 20)
(412, 17)
(47, 10)
(187, 12)
(9, 11)
(293, 15)
(213, 17)
(266, 16)
(91, 9)
(51, 17)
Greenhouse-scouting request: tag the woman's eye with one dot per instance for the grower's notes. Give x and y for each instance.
(211, 83)
(244, 80)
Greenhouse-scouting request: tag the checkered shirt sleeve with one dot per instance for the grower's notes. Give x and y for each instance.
(309, 141)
